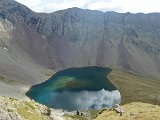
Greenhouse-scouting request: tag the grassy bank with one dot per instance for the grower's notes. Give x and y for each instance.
(135, 88)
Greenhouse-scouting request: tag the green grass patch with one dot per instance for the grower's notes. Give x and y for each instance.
(93, 113)
(5, 80)
(2, 78)
(74, 117)
(134, 88)
(30, 105)
(28, 111)
(47, 72)
(10, 110)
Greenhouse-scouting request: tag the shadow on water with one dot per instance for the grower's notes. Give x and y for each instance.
(77, 89)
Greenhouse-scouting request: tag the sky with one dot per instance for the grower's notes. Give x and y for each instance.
(121, 6)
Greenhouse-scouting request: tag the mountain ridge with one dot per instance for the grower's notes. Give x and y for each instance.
(75, 37)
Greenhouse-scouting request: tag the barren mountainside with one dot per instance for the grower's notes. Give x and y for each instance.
(31, 42)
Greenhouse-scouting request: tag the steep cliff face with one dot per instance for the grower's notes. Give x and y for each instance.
(76, 37)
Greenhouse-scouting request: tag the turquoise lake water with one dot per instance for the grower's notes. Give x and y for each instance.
(77, 88)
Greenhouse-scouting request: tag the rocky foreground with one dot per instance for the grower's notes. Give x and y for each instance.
(14, 109)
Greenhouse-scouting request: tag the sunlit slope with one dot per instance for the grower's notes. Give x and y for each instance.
(134, 88)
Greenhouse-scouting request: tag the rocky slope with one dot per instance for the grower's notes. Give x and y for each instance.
(30, 42)
(14, 109)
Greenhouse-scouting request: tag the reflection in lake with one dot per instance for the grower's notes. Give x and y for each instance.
(77, 89)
